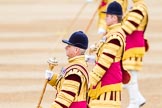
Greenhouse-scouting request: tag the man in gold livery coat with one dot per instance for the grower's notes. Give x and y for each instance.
(106, 76)
(101, 16)
(134, 24)
(72, 83)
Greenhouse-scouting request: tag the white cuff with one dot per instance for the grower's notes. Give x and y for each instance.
(90, 58)
(48, 74)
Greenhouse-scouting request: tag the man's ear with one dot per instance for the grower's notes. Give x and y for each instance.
(77, 50)
(115, 17)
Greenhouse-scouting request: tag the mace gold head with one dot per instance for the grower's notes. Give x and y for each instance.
(52, 62)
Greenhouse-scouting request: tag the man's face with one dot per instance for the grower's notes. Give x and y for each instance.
(71, 51)
(109, 19)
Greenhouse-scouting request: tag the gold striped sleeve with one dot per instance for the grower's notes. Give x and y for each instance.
(54, 79)
(71, 85)
(96, 75)
(133, 19)
(64, 98)
(110, 50)
(106, 58)
(69, 89)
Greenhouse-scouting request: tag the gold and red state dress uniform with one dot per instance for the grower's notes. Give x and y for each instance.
(106, 76)
(134, 24)
(72, 86)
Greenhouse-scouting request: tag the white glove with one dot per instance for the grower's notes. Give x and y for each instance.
(92, 48)
(48, 74)
(101, 31)
(90, 58)
(89, 0)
